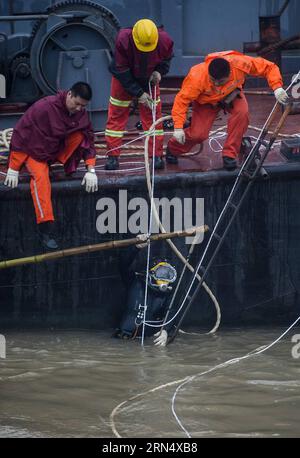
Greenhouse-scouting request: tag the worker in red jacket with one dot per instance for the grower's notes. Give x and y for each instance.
(210, 86)
(142, 56)
(55, 128)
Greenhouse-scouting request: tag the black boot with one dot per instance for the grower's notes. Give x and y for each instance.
(170, 158)
(229, 163)
(45, 235)
(112, 163)
(159, 163)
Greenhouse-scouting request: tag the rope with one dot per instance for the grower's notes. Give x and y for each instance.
(255, 352)
(120, 407)
(151, 210)
(230, 195)
(171, 244)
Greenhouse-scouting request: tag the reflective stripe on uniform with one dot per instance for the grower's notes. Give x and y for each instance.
(37, 199)
(119, 103)
(157, 132)
(114, 133)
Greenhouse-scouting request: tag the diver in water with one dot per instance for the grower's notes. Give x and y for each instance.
(161, 280)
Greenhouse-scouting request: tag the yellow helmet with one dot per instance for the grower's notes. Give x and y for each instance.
(145, 35)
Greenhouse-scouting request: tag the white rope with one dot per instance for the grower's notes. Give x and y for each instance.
(5, 137)
(216, 138)
(121, 407)
(189, 379)
(151, 210)
(129, 142)
(171, 244)
(230, 195)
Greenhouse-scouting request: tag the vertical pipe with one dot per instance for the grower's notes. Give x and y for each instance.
(11, 12)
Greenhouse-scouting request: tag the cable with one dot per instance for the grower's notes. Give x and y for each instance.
(255, 352)
(121, 407)
(151, 209)
(214, 231)
(171, 244)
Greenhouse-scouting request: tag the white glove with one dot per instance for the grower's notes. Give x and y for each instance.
(144, 238)
(90, 181)
(12, 178)
(155, 78)
(179, 135)
(161, 338)
(281, 95)
(145, 99)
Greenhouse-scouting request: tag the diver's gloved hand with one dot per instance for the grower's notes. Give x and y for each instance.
(144, 238)
(155, 77)
(12, 178)
(281, 95)
(90, 180)
(145, 99)
(161, 338)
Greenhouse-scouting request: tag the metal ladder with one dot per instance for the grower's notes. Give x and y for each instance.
(251, 168)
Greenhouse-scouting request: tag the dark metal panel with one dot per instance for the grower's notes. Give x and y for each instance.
(207, 26)
(197, 26)
(256, 276)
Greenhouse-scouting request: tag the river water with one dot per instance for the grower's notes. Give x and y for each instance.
(64, 383)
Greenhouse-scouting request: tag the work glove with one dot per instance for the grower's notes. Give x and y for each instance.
(161, 338)
(12, 178)
(179, 135)
(90, 180)
(144, 238)
(155, 78)
(145, 99)
(281, 95)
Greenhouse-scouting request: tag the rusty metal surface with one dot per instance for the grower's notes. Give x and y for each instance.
(207, 160)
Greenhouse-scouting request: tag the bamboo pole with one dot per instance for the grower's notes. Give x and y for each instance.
(99, 247)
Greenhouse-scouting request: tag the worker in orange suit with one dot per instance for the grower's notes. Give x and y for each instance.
(208, 86)
(55, 128)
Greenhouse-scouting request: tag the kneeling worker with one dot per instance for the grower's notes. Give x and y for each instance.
(213, 85)
(55, 128)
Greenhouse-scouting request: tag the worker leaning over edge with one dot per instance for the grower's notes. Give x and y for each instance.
(206, 85)
(55, 128)
(142, 54)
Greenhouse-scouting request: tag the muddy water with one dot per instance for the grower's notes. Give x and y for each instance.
(67, 383)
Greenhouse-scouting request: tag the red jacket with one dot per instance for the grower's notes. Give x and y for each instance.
(133, 67)
(42, 130)
(198, 87)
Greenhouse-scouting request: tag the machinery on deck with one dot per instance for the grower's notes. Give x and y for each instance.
(49, 44)
(71, 42)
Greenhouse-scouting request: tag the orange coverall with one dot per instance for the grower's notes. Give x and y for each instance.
(197, 88)
(40, 184)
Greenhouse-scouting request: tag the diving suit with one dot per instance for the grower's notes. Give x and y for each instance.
(161, 280)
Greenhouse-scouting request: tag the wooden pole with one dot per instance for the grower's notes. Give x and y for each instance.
(99, 247)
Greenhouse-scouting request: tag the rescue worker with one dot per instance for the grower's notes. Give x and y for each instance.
(161, 280)
(210, 86)
(55, 128)
(142, 56)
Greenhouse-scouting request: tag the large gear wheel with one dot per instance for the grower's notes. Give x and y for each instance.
(85, 5)
(94, 30)
(20, 67)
